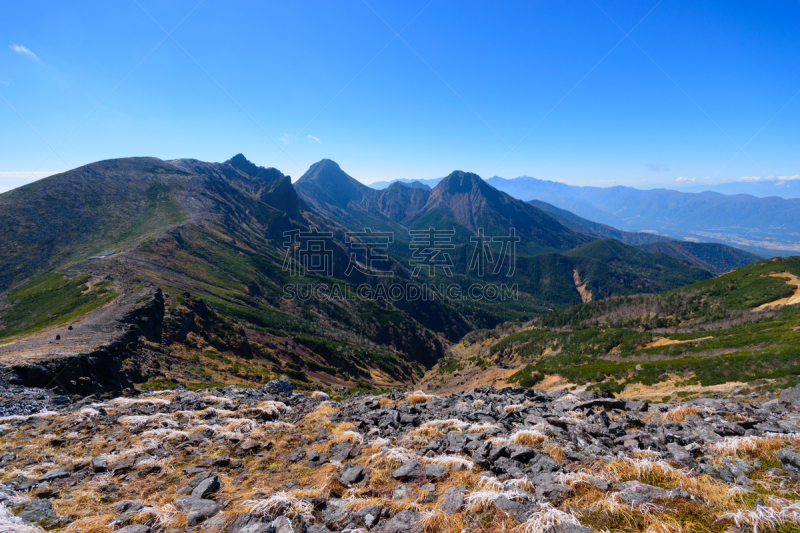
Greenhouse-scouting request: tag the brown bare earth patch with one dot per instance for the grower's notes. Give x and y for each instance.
(586, 295)
(790, 300)
(670, 386)
(663, 341)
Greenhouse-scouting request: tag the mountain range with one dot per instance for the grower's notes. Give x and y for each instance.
(759, 216)
(782, 187)
(180, 269)
(766, 226)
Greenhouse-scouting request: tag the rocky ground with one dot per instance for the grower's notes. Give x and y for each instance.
(241, 460)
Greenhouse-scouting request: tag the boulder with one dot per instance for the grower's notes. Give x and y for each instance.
(206, 487)
(198, 509)
(789, 458)
(403, 522)
(353, 474)
(637, 492)
(434, 471)
(409, 470)
(56, 473)
(452, 500)
(279, 386)
(99, 464)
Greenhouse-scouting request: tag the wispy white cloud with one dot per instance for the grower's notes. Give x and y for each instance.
(313, 138)
(770, 178)
(658, 167)
(286, 138)
(682, 179)
(5, 82)
(24, 51)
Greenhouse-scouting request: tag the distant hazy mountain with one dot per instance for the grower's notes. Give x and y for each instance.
(761, 189)
(767, 226)
(430, 183)
(550, 257)
(714, 257)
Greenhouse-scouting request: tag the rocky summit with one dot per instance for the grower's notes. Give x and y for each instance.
(246, 460)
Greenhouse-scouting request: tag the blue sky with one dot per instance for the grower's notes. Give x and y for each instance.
(703, 91)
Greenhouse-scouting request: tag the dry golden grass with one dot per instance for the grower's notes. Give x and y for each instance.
(344, 433)
(528, 437)
(418, 397)
(555, 452)
(661, 474)
(319, 416)
(679, 414)
(95, 523)
(438, 522)
(258, 485)
(435, 428)
(356, 504)
(755, 447)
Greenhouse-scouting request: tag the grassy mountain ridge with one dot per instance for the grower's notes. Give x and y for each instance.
(226, 257)
(87, 211)
(211, 237)
(721, 330)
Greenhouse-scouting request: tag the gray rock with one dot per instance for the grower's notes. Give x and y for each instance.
(197, 509)
(279, 386)
(135, 528)
(789, 458)
(637, 492)
(216, 524)
(247, 523)
(296, 455)
(555, 493)
(353, 474)
(99, 464)
(127, 506)
(543, 464)
(56, 473)
(790, 395)
(681, 456)
(452, 500)
(505, 465)
(39, 512)
(402, 522)
(568, 528)
(436, 471)
(207, 487)
(123, 464)
(409, 470)
(523, 454)
(282, 525)
(679, 493)
(515, 509)
(250, 445)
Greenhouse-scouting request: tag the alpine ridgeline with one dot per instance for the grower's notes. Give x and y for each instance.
(146, 271)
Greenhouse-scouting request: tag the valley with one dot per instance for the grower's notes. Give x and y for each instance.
(180, 276)
(242, 337)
